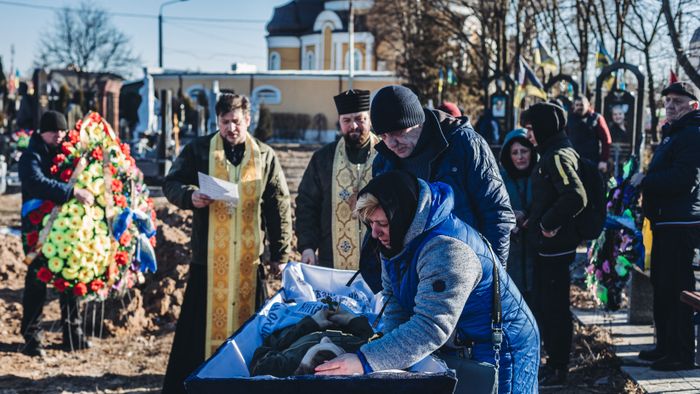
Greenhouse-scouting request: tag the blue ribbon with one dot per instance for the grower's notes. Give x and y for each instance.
(31, 205)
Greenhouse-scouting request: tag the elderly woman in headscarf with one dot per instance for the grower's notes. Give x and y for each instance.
(438, 285)
(518, 158)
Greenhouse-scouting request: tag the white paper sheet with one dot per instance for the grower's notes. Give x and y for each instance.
(218, 189)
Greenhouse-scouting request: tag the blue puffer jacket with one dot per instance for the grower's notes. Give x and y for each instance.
(519, 356)
(466, 163)
(672, 184)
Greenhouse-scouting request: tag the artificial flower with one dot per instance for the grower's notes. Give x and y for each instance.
(55, 264)
(80, 289)
(60, 284)
(44, 275)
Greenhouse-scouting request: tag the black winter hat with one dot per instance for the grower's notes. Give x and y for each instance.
(352, 101)
(394, 108)
(397, 192)
(546, 120)
(52, 121)
(683, 88)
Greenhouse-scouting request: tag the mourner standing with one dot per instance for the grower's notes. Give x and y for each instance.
(227, 239)
(589, 133)
(38, 186)
(558, 196)
(435, 146)
(671, 201)
(329, 187)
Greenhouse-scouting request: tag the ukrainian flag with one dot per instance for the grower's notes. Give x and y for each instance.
(544, 58)
(602, 57)
(528, 84)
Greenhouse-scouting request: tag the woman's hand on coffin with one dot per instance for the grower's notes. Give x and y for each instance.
(200, 200)
(308, 256)
(342, 317)
(345, 364)
(321, 318)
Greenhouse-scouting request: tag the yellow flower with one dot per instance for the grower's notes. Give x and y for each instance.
(101, 200)
(72, 236)
(69, 273)
(65, 250)
(49, 250)
(58, 237)
(85, 275)
(84, 178)
(61, 223)
(85, 235)
(55, 264)
(73, 260)
(102, 229)
(75, 209)
(98, 213)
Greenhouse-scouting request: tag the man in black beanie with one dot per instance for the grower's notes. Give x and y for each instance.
(435, 146)
(38, 184)
(329, 187)
(558, 196)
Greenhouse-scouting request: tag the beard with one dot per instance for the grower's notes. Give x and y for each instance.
(356, 138)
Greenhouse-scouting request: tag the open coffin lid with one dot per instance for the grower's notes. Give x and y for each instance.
(227, 370)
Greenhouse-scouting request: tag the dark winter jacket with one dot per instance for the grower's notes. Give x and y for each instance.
(519, 186)
(671, 187)
(282, 351)
(558, 196)
(464, 161)
(35, 173)
(275, 212)
(589, 135)
(428, 300)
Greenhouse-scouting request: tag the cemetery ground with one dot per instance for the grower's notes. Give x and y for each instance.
(137, 332)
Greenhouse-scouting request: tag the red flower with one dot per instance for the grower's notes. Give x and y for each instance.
(125, 239)
(126, 149)
(44, 275)
(61, 284)
(35, 217)
(67, 148)
(97, 153)
(46, 206)
(121, 258)
(54, 169)
(80, 289)
(120, 201)
(31, 238)
(153, 216)
(117, 186)
(95, 117)
(96, 285)
(75, 161)
(152, 240)
(112, 169)
(59, 158)
(66, 174)
(132, 161)
(78, 125)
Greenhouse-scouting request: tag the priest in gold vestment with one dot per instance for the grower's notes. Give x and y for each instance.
(327, 234)
(225, 285)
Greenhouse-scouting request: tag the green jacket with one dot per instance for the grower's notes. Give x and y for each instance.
(275, 212)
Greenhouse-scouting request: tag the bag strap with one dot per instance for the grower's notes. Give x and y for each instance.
(496, 312)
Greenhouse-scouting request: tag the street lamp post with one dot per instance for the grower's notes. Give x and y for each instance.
(160, 30)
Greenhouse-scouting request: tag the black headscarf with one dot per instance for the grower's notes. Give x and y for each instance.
(397, 192)
(507, 161)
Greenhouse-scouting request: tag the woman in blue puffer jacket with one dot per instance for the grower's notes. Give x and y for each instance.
(437, 283)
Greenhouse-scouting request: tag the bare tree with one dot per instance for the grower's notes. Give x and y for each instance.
(644, 25)
(675, 34)
(85, 39)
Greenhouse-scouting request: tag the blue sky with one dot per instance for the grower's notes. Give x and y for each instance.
(188, 44)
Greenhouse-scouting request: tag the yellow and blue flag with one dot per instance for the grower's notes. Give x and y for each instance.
(544, 58)
(528, 84)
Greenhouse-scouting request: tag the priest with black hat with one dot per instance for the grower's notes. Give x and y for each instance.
(40, 185)
(327, 232)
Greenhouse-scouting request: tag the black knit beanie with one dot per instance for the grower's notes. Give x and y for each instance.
(546, 119)
(394, 108)
(52, 121)
(397, 192)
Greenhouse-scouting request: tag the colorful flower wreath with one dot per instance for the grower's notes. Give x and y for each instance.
(93, 250)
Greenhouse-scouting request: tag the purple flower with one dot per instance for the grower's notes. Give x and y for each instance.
(606, 266)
